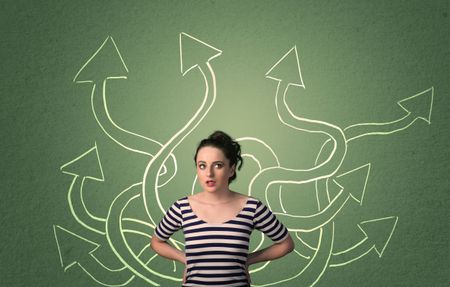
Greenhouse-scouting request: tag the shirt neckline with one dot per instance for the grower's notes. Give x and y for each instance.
(228, 221)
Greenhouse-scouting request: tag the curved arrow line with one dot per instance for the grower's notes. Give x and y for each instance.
(145, 145)
(93, 263)
(323, 170)
(82, 217)
(114, 275)
(150, 182)
(304, 242)
(322, 195)
(273, 154)
(313, 126)
(318, 262)
(143, 255)
(360, 253)
(356, 245)
(129, 249)
(258, 163)
(297, 176)
(99, 221)
(366, 129)
(254, 157)
(92, 256)
(106, 267)
(155, 145)
(361, 248)
(243, 139)
(117, 240)
(267, 263)
(105, 284)
(360, 130)
(139, 223)
(318, 183)
(280, 200)
(321, 254)
(308, 222)
(301, 255)
(143, 227)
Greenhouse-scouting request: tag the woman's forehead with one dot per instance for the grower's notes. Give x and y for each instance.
(210, 153)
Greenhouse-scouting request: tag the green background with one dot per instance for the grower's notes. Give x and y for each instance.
(358, 59)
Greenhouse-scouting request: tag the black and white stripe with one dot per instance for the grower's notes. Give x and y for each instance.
(216, 253)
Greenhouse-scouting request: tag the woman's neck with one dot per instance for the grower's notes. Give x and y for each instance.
(218, 197)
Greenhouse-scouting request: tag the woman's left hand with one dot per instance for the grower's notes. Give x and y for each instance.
(248, 274)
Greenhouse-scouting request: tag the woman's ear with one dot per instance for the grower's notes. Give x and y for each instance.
(232, 170)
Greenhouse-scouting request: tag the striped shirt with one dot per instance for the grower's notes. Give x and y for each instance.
(216, 254)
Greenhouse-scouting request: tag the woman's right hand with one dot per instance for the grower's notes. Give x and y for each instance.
(248, 274)
(184, 274)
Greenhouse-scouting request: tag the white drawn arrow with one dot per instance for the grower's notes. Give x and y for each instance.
(282, 175)
(104, 65)
(75, 250)
(83, 167)
(150, 184)
(377, 234)
(417, 107)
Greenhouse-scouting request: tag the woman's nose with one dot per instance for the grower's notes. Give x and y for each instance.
(210, 172)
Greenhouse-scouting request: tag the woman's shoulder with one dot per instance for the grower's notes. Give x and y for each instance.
(241, 197)
(180, 201)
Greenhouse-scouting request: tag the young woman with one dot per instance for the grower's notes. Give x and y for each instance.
(217, 222)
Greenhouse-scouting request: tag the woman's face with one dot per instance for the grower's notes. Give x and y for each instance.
(213, 169)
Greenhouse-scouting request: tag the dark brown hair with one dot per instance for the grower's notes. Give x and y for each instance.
(230, 148)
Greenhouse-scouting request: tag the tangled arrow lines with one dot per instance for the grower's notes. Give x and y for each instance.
(334, 188)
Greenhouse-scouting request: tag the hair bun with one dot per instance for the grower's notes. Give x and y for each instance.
(230, 148)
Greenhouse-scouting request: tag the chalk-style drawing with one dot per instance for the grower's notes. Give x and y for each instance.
(89, 73)
(376, 237)
(74, 250)
(417, 107)
(114, 233)
(79, 169)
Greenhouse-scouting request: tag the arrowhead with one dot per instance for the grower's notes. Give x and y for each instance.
(419, 105)
(86, 165)
(72, 248)
(379, 231)
(334, 188)
(355, 181)
(106, 62)
(287, 69)
(194, 52)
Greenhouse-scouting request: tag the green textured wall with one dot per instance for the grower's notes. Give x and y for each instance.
(355, 160)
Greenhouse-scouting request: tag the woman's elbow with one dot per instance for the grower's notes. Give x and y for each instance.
(290, 246)
(154, 243)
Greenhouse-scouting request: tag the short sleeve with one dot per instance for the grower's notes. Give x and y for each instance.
(266, 222)
(170, 223)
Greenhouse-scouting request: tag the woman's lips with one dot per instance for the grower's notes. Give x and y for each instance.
(210, 183)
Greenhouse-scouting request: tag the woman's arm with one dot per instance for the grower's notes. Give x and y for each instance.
(274, 251)
(164, 249)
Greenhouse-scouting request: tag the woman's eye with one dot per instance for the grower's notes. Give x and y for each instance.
(201, 166)
(219, 165)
